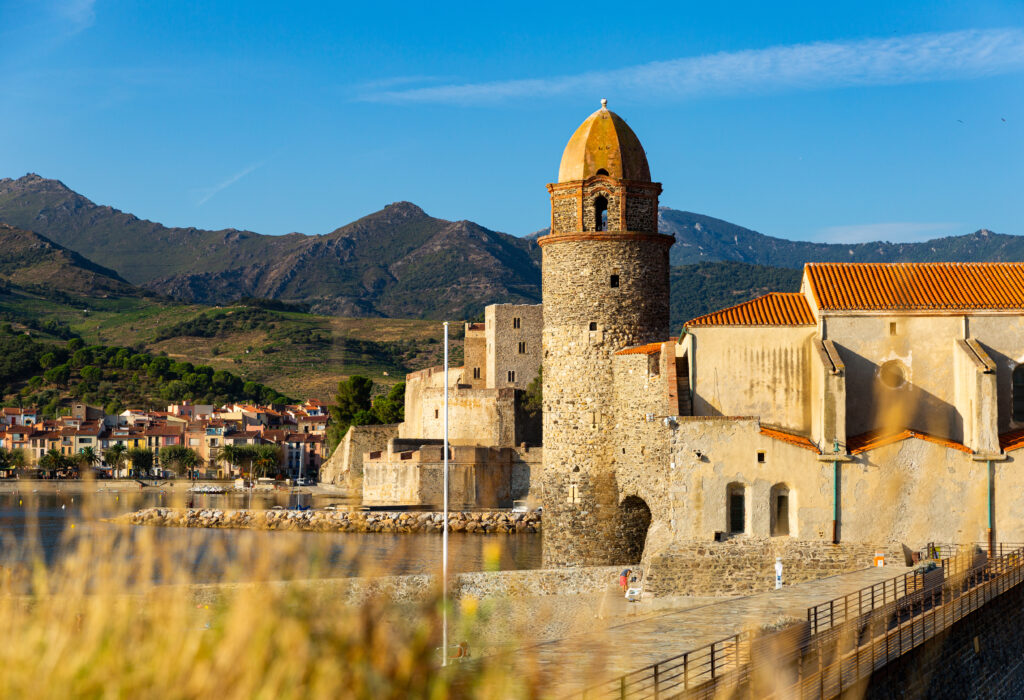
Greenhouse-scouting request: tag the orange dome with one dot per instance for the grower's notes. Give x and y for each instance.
(604, 142)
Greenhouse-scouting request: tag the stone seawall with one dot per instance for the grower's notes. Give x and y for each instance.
(337, 520)
(743, 566)
(529, 583)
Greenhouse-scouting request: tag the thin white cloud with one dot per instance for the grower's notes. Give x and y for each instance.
(79, 14)
(207, 194)
(907, 59)
(893, 231)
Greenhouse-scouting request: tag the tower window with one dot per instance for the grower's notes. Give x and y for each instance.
(511, 375)
(1018, 393)
(476, 373)
(601, 213)
(760, 457)
(522, 348)
(515, 322)
(615, 281)
(602, 171)
(593, 325)
(436, 413)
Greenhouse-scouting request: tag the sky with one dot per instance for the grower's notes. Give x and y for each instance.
(837, 122)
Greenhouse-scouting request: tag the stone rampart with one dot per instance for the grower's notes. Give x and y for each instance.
(345, 466)
(743, 566)
(336, 521)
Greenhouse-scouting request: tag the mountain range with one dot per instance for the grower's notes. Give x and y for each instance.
(401, 262)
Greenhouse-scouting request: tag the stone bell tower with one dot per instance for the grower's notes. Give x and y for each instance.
(606, 287)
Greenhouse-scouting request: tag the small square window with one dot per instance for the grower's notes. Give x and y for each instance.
(515, 322)
(522, 348)
(615, 281)
(892, 328)
(511, 375)
(593, 325)
(760, 457)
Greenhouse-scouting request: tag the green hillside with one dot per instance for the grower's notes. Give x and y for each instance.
(700, 289)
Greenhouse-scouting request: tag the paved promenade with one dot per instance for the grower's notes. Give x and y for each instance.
(583, 660)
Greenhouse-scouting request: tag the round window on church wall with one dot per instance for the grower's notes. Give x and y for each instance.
(892, 374)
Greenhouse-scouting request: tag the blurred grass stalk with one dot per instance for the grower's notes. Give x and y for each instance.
(115, 615)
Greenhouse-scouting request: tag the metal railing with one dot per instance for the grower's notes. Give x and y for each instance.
(678, 674)
(852, 636)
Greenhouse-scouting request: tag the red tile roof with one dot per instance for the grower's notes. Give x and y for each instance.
(1013, 440)
(792, 439)
(776, 309)
(916, 286)
(879, 438)
(648, 349)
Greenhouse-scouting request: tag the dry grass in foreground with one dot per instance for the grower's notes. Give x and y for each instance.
(115, 616)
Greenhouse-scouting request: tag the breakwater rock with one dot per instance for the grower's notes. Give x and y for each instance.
(337, 520)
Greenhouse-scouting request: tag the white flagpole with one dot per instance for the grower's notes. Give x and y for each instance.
(444, 531)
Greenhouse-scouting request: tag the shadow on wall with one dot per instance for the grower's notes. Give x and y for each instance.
(884, 397)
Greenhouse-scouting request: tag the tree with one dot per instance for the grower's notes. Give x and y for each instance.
(76, 344)
(88, 457)
(231, 455)
(47, 360)
(267, 458)
(141, 460)
(533, 397)
(180, 458)
(91, 373)
(390, 408)
(52, 461)
(351, 400)
(58, 375)
(115, 456)
(11, 459)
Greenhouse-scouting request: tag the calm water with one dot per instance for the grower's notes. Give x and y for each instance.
(34, 517)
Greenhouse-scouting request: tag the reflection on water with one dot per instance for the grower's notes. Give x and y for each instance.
(49, 522)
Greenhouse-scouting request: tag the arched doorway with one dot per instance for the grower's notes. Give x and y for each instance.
(634, 520)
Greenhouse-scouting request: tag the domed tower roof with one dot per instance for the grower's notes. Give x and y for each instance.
(604, 142)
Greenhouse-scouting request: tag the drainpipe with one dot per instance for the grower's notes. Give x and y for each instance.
(835, 493)
(991, 508)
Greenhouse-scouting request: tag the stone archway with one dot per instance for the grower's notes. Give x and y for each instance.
(634, 521)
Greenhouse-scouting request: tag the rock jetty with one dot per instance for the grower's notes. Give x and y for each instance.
(336, 520)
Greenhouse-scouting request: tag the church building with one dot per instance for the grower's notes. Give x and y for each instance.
(880, 404)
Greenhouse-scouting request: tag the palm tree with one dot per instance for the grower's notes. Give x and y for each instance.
(267, 457)
(52, 461)
(114, 456)
(88, 457)
(231, 455)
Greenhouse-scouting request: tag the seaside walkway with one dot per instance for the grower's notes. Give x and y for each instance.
(583, 661)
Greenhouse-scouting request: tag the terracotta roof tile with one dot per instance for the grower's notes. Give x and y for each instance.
(776, 309)
(916, 286)
(878, 438)
(1013, 440)
(792, 439)
(648, 349)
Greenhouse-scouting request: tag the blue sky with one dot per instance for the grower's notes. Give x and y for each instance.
(825, 121)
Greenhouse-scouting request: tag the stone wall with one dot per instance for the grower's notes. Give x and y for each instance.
(748, 566)
(503, 344)
(474, 350)
(345, 466)
(482, 522)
